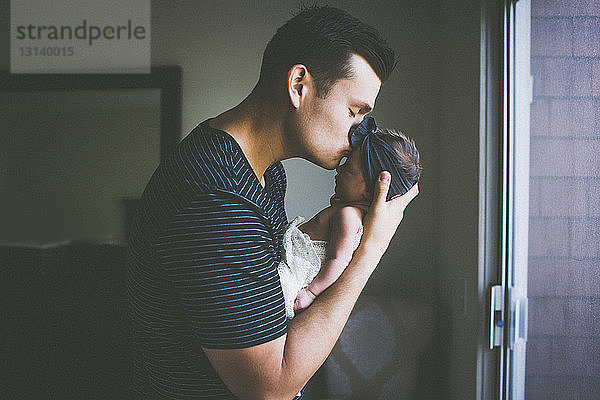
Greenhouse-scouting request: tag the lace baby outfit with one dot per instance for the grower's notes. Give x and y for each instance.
(301, 260)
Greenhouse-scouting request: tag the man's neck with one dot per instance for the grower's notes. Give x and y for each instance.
(256, 127)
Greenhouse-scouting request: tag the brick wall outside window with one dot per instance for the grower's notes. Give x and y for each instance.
(563, 350)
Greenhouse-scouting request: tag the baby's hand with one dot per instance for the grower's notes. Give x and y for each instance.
(304, 299)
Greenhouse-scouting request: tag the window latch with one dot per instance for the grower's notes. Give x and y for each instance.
(496, 316)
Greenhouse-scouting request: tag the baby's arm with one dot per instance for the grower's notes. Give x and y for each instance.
(343, 228)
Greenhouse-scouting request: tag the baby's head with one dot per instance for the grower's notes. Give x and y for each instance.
(375, 150)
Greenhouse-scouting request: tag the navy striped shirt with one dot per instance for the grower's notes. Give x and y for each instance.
(202, 265)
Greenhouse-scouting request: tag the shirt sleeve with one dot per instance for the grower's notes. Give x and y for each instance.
(220, 256)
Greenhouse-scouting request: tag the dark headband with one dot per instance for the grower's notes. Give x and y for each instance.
(376, 156)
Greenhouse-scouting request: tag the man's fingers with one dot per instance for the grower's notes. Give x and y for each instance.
(381, 187)
(412, 193)
(407, 197)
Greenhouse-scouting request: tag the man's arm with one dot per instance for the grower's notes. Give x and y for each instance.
(280, 368)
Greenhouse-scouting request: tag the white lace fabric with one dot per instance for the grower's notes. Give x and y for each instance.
(301, 261)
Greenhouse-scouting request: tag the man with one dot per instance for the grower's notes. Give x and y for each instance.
(208, 309)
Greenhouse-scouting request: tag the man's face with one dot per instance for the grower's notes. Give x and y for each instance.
(324, 124)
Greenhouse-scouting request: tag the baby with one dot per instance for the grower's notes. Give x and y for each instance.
(316, 253)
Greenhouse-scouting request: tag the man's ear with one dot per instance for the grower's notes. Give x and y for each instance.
(297, 79)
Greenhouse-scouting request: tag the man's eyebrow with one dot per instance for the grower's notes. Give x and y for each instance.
(364, 108)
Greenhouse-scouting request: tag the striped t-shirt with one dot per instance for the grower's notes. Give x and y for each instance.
(202, 265)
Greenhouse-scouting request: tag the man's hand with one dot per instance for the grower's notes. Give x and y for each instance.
(383, 216)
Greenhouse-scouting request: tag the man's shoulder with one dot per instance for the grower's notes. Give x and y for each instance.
(212, 147)
(201, 165)
(207, 159)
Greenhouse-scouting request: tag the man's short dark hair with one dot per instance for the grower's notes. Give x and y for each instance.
(323, 39)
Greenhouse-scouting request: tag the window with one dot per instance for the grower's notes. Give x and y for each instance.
(552, 200)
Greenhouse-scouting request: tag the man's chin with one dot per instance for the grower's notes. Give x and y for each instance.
(326, 164)
(333, 163)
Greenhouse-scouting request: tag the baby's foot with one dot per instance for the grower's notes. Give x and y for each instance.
(304, 299)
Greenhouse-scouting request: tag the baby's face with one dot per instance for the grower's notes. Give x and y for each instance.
(350, 184)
